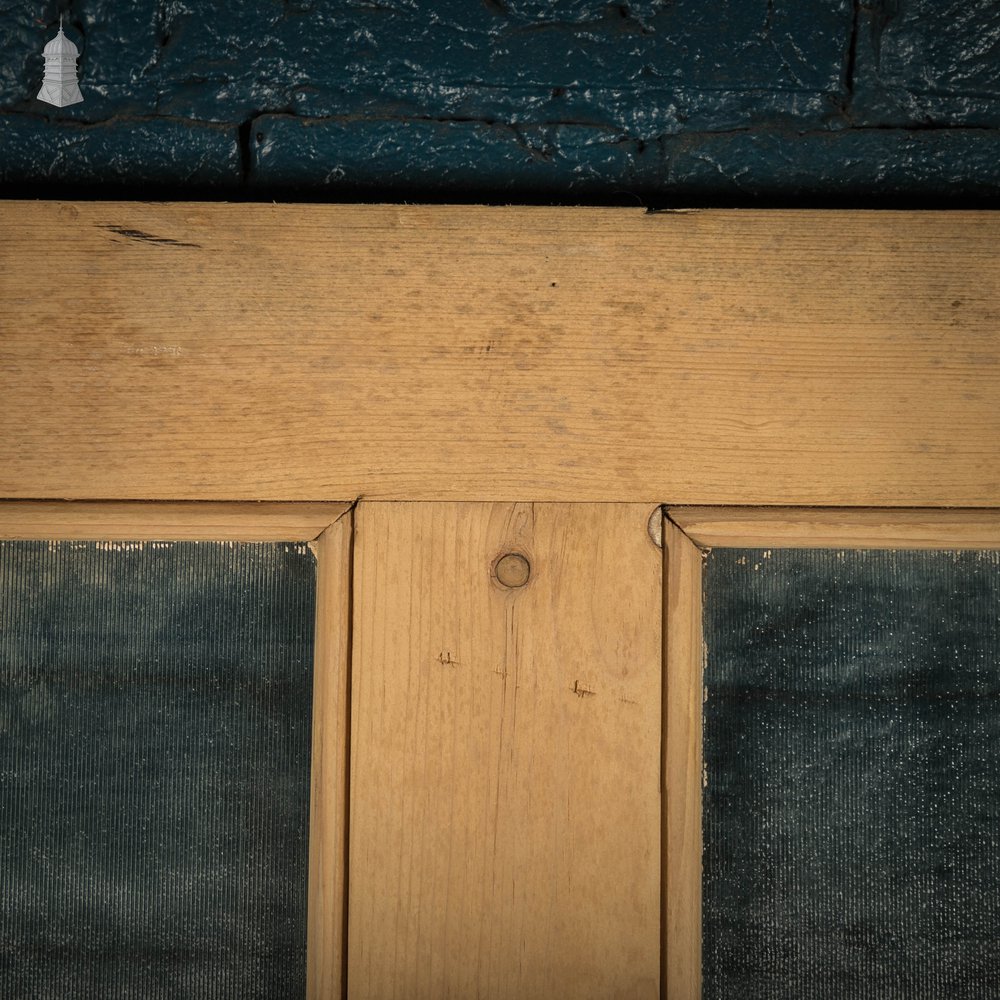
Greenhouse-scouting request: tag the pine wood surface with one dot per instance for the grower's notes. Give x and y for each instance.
(505, 806)
(751, 527)
(322, 352)
(166, 521)
(684, 652)
(329, 765)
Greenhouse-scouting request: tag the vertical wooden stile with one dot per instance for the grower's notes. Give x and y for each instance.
(328, 808)
(682, 765)
(505, 801)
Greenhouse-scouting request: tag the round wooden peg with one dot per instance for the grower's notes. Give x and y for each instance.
(512, 570)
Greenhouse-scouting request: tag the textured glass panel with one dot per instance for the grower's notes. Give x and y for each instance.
(852, 762)
(154, 769)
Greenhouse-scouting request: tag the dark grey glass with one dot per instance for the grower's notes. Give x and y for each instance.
(852, 758)
(155, 706)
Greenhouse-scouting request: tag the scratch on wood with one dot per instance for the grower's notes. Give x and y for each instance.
(140, 237)
(580, 691)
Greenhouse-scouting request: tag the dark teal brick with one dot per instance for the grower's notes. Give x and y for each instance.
(388, 158)
(646, 68)
(392, 159)
(21, 54)
(117, 51)
(877, 168)
(36, 155)
(930, 63)
(514, 99)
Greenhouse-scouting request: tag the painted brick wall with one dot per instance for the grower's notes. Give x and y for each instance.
(656, 102)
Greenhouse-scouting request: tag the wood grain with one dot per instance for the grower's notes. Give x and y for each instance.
(850, 529)
(325, 956)
(684, 652)
(505, 807)
(321, 352)
(165, 521)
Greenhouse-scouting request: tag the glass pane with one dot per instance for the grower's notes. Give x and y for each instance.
(154, 769)
(852, 768)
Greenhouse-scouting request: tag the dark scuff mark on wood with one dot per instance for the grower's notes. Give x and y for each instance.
(141, 237)
(673, 211)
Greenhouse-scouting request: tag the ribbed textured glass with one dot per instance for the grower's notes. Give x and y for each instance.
(852, 769)
(154, 769)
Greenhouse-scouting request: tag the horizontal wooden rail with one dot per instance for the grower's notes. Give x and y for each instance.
(783, 527)
(134, 521)
(324, 352)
